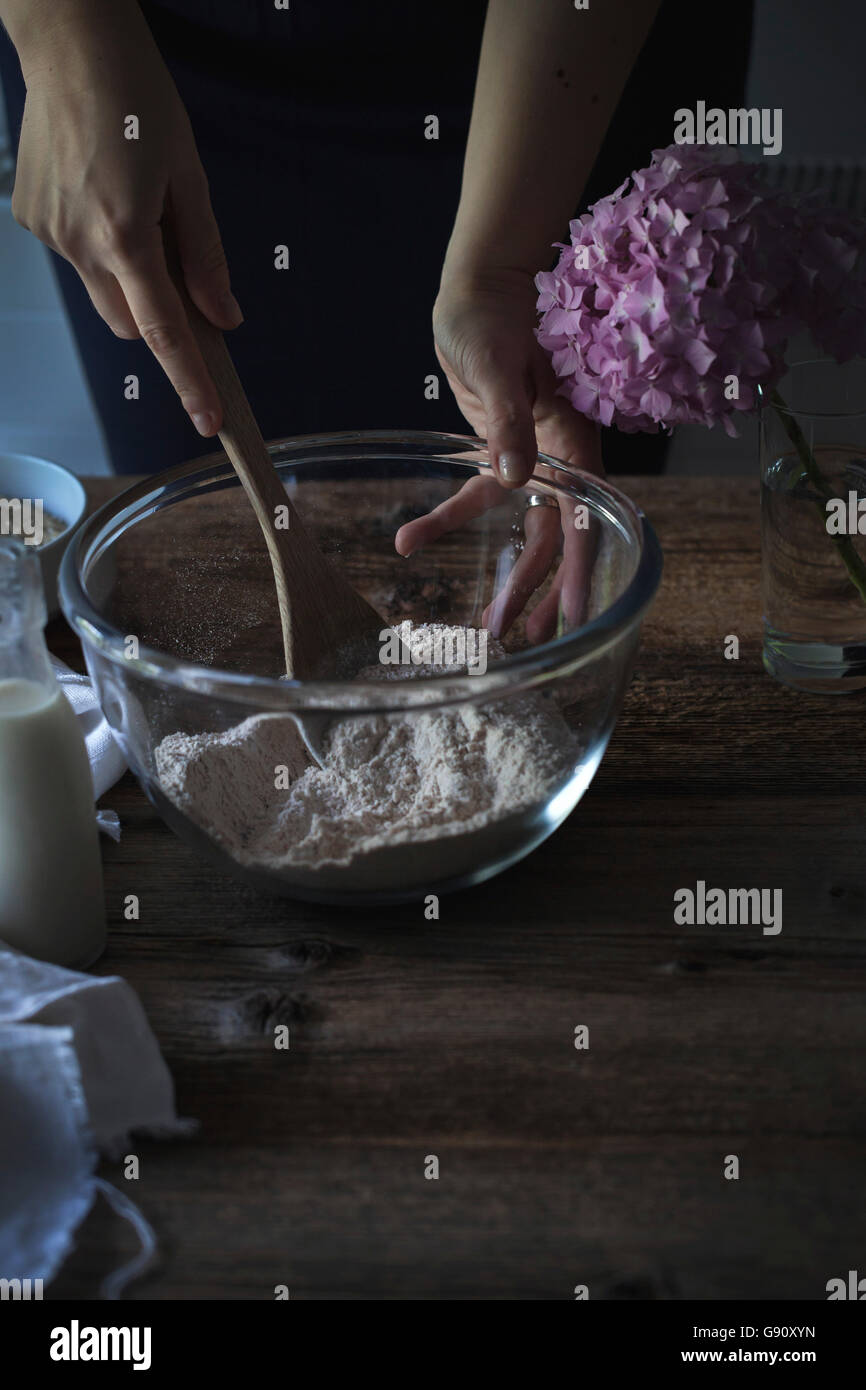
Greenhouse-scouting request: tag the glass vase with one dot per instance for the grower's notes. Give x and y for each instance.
(813, 526)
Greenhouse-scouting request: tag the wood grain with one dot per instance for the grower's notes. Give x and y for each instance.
(455, 1038)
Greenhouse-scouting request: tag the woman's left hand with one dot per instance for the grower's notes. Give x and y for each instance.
(506, 388)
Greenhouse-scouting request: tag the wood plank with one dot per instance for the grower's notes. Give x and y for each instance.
(649, 1220)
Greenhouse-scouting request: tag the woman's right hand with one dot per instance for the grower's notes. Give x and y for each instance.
(99, 198)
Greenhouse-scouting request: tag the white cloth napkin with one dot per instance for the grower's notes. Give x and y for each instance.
(107, 763)
(106, 760)
(80, 1071)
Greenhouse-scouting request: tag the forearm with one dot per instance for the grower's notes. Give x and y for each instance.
(549, 80)
(45, 31)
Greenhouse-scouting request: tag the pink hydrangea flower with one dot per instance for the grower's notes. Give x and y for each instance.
(676, 296)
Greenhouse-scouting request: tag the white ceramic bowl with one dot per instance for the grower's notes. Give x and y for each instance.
(60, 492)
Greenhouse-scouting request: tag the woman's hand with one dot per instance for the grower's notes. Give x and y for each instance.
(502, 380)
(506, 388)
(99, 198)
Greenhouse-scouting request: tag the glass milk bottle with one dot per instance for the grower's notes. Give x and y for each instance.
(51, 897)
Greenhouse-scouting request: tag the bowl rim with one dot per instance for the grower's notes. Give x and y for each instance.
(768, 401)
(519, 670)
(7, 455)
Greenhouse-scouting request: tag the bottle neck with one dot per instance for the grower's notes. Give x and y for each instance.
(25, 658)
(23, 653)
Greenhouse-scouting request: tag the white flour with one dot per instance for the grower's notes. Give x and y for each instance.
(400, 801)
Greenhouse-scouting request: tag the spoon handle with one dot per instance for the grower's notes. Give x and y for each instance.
(319, 610)
(242, 440)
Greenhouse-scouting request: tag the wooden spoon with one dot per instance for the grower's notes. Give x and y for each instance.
(320, 612)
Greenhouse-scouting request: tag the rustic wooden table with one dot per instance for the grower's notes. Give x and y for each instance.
(409, 1038)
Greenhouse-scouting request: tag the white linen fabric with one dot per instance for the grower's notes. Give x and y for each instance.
(80, 1071)
(106, 760)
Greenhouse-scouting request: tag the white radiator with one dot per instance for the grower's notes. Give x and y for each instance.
(844, 184)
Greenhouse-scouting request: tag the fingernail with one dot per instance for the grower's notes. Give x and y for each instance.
(204, 422)
(512, 468)
(231, 310)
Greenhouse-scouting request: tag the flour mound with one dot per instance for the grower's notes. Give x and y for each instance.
(433, 778)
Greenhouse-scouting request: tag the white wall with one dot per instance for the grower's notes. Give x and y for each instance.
(45, 406)
(808, 58)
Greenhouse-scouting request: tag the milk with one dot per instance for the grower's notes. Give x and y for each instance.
(51, 898)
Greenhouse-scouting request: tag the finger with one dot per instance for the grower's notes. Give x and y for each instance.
(567, 435)
(200, 248)
(163, 324)
(543, 622)
(473, 498)
(579, 552)
(542, 527)
(505, 398)
(566, 604)
(109, 302)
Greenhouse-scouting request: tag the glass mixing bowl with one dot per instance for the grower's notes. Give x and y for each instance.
(169, 588)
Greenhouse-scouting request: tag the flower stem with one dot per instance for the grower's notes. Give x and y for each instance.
(853, 563)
